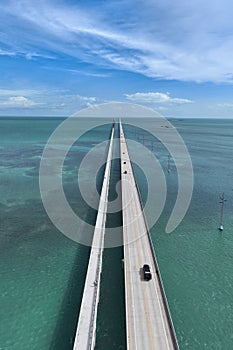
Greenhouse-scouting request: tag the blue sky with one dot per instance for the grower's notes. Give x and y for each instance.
(57, 56)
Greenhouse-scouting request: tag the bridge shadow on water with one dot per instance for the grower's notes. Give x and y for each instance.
(111, 322)
(65, 330)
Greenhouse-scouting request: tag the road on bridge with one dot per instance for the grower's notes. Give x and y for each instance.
(146, 318)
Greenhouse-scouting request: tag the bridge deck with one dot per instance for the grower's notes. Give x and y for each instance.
(86, 330)
(147, 318)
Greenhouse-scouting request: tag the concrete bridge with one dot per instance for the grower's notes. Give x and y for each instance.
(148, 321)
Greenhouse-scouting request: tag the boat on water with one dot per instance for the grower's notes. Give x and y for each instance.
(169, 163)
(222, 201)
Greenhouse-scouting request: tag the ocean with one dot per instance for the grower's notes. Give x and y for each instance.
(43, 271)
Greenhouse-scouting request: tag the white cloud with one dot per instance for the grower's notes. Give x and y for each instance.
(7, 53)
(155, 97)
(27, 55)
(86, 101)
(18, 101)
(225, 105)
(82, 72)
(184, 40)
(53, 99)
(86, 98)
(19, 92)
(34, 55)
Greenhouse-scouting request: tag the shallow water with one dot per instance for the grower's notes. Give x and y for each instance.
(43, 272)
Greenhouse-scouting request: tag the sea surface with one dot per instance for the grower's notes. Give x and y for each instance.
(42, 272)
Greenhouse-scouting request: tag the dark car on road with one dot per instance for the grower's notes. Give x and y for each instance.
(146, 272)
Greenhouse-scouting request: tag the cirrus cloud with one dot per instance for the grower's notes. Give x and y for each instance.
(186, 41)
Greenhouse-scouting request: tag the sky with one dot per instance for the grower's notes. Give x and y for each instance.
(57, 56)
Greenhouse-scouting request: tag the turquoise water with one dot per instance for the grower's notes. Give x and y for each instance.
(43, 272)
(196, 261)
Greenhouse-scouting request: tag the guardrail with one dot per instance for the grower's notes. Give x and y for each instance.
(91, 331)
